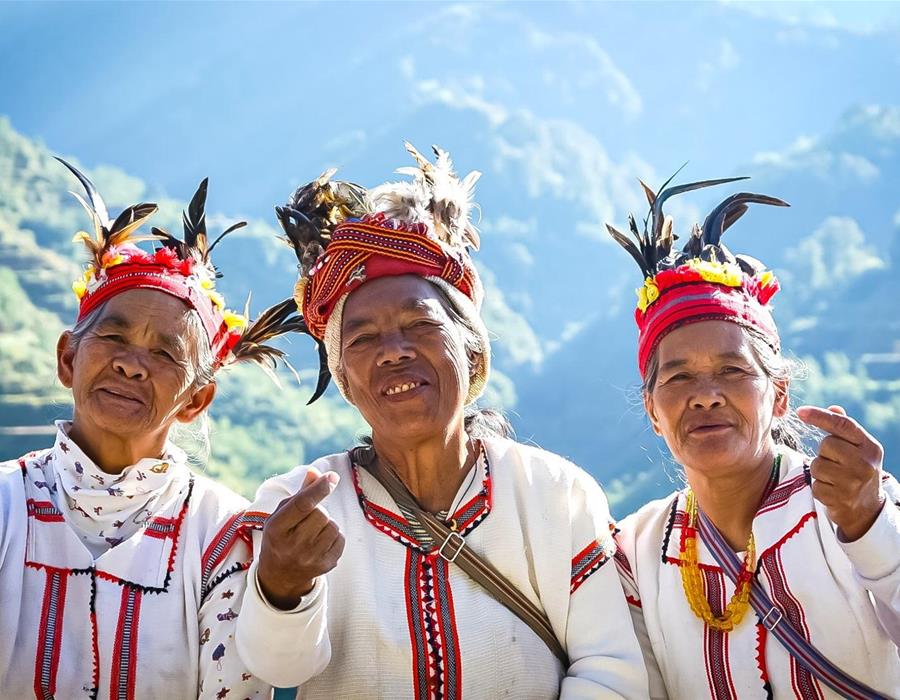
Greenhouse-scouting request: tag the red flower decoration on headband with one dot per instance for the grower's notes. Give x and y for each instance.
(703, 281)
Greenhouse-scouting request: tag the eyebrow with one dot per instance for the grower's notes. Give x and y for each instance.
(673, 364)
(115, 321)
(167, 341)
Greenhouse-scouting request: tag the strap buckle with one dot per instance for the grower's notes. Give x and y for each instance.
(771, 624)
(454, 539)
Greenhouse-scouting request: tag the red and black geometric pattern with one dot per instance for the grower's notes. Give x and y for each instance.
(586, 562)
(437, 671)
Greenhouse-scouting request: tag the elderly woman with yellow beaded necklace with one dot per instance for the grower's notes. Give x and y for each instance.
(774, 574)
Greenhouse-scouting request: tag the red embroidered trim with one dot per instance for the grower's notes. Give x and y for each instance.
(50, 634)
(221, 545)
(468, 516)
(715, 642)
(95, 644)
(761, 634)
(44, 511)
(437, 662)
(804, 684)
(790, 533)
(124, 653)
(782, 493)
(585, 563)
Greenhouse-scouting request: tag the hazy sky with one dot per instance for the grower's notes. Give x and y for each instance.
(261, 96)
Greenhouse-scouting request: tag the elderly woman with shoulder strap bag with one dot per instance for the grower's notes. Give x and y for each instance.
(473, 566)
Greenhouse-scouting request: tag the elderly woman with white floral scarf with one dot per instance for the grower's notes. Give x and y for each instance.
(121, 570)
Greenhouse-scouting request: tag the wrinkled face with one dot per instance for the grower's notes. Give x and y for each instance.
(131, 373)
(404, 358)
(712, 401)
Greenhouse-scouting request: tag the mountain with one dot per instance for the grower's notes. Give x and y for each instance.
(561, 311)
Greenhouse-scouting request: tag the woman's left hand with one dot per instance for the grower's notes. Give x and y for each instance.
(846, 472)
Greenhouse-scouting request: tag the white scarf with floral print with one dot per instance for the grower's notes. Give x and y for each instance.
(106, 509)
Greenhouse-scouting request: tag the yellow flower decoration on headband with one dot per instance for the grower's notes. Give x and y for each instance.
(647, 294)
(234, 320)
(80, 286)
(215, 297)
(717, 273)
(111, 258)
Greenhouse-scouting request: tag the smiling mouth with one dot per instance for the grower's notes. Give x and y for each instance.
(117, 395)
(706, 429)
(402, 388)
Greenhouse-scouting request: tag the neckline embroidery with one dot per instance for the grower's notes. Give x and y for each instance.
(403, 528)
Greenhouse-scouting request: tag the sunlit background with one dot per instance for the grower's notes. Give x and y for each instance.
(562, 106)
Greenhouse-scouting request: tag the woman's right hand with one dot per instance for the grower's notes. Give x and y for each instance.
(299, 543)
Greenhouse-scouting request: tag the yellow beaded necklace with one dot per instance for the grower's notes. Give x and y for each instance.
(692, 578)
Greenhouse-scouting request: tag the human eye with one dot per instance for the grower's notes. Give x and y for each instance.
(424, 323)
(359, 340)
(165, 355)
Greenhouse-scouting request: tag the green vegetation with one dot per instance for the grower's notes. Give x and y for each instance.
(570, 394)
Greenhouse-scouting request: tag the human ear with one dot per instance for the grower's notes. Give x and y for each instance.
(197, 404)
(782, 397)
(650, 408)
(65, 359)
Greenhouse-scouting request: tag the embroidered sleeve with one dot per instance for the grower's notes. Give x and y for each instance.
(603, 662)
(589, 560)
(876, 560)
(224, 568)
(286, 648)
(624, 556)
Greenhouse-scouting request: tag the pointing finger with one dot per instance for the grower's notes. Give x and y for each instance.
(838, 424)
(304, 502)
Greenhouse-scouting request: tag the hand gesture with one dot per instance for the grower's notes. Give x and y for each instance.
(300, 542)
(846, 472)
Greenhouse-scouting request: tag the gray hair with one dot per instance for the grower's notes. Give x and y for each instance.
(479, 422)
(193, 438)
(787, 430)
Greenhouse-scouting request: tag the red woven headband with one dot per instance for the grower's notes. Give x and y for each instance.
(364, 250)
(703, 291)
(133, 268)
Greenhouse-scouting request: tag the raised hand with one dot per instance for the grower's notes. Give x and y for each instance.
(300, 542)
(847, 471)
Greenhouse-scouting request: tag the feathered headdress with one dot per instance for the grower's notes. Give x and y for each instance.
(436, 197)
(703, 280)
(308, 220)
(344, 236)
(181, 268)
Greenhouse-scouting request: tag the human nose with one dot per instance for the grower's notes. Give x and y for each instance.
(128, 364)
(395, 348)
(707, 394)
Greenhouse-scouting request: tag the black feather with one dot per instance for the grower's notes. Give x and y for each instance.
(194, 220)
(657, 216)
(714, 226)
(324, 374)
(96, 201)
(631, 249)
